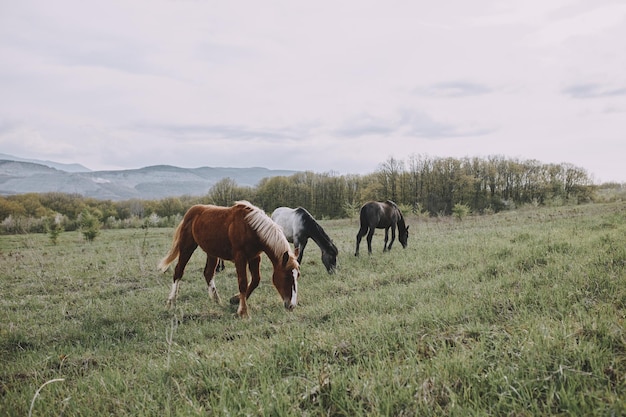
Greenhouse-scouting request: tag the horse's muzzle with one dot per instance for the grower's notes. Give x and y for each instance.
(289, 305)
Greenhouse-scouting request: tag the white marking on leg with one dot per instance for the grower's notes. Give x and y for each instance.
(242, 310)
(171, 299)
(294, 289)
(213, 291)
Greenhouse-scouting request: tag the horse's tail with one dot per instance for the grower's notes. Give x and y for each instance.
(174, 250)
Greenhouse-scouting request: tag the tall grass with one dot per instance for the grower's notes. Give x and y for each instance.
(517, 313)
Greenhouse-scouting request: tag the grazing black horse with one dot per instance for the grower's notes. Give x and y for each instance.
(298, 226)
(381, 215)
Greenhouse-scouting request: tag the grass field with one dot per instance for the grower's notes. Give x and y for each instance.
(515, 314)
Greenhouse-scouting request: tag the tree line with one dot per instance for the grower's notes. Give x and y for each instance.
(433, 186)
(423, 184)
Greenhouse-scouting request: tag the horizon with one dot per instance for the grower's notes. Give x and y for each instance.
(42, 162)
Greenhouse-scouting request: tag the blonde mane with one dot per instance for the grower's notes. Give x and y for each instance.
(269, 232)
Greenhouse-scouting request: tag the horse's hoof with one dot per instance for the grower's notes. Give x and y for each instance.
(234, 299)
(243, 312)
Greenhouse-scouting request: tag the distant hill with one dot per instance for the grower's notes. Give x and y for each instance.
(149, 183)
(51, 164)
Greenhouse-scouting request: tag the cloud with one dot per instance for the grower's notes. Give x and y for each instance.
(191, 131)
(8, 126)
(587, 23)
(408, 123)
(453, 89)
(365, 124)
(321, 85)
(593, 90)
(421, 125)
(18, 138)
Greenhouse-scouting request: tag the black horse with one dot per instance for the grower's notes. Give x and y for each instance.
(381, 215)
(298, 226)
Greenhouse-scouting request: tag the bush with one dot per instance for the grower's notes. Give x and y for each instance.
(54, 228)
(351, 210)
(460, 210)
(89, 225)
(22, 225)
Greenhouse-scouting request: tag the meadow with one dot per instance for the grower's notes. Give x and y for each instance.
(519, 313)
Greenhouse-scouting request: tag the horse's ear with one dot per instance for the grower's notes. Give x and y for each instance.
(296, 252)
(407, 227)
(285, 258)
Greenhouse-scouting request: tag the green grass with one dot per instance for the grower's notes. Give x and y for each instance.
(519, 313)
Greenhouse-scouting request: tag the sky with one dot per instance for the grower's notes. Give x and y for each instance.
(325, 86)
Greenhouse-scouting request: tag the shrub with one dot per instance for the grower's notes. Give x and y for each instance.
(89, 225)
(54, 228)
(460, 210)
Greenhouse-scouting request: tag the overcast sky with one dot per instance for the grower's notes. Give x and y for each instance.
(313, 85)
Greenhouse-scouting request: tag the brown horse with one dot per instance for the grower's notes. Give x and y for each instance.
(239, 234)
(381, 215)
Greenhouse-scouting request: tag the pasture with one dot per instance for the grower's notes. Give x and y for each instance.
(519, 313)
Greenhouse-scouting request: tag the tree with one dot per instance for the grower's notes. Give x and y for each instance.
(54, 228)
(169, 206)
(89, 225)
(10, 208)
(222, 192)
(460, 210)
(274, 192)
(389, 177)
(70, 205)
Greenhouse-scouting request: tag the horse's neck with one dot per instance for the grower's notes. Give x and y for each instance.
(272, 254)
(320, 238)
(401, 225)
(310, 228)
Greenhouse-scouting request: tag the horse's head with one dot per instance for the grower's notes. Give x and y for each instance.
(403, 235)
(329, 259)
(285, 279)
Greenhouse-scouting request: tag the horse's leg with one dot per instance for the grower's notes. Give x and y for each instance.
(209, 274)
(370, 234)
(386, 239)
(362, 231)
(220, 265)
(393, 236)
(254, 265)
(183, 257)
(302, 245)
(242, 280)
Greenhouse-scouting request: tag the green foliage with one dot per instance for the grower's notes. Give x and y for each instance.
(460, 211)
(351, 210)
(226, 192)
(89, 225)
(54, 229)
(517, 313)
(169, 206)
(610, 192)
(324, 195)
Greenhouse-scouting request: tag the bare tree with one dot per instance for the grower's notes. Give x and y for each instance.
(223, 192)
(389, 176)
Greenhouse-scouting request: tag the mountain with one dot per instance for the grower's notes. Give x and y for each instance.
(51, 164)
(149, 183)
